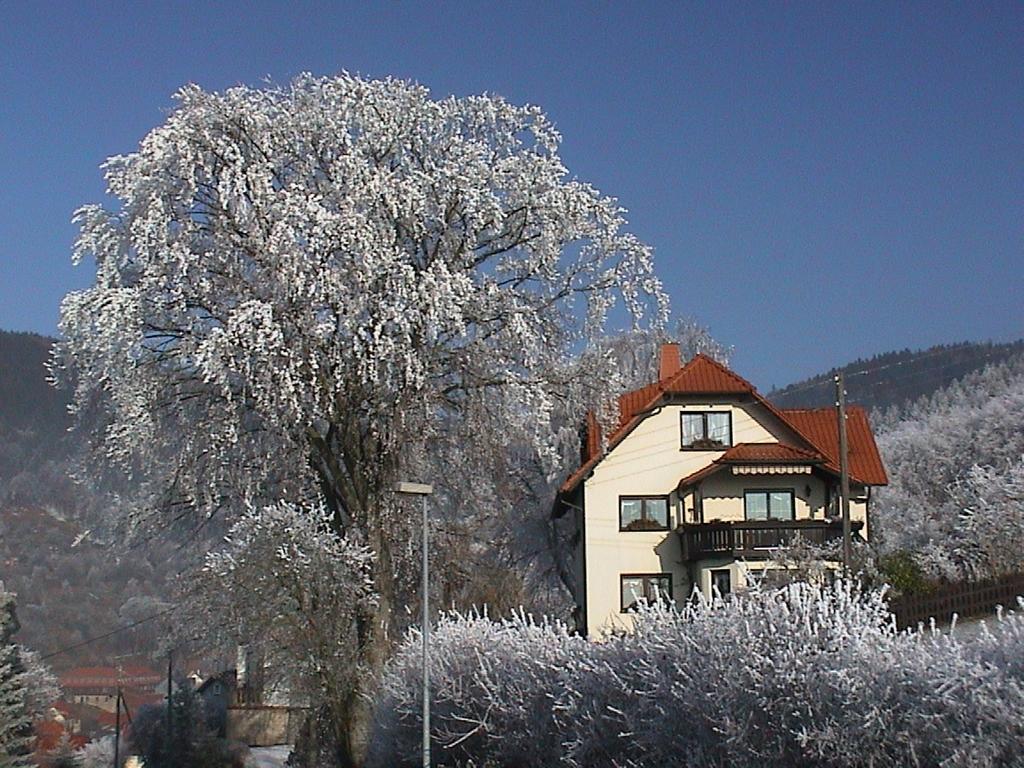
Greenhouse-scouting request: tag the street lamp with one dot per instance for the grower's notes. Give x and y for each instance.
(423, 490)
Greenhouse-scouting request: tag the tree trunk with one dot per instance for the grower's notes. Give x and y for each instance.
(355, 715)
(357, 498)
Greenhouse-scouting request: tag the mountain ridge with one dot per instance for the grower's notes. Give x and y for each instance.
(894, 378)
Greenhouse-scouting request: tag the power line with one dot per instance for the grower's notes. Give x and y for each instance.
(824, 380)
(912, 374)
(91, 640)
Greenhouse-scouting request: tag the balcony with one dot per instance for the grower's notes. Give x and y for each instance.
(755, 538)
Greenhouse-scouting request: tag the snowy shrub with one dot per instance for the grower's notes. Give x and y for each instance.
(97, 754)
(799, 676)
(729, 684)
(289, 587)
(492, 693)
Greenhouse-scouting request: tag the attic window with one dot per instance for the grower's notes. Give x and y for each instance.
(705, 430)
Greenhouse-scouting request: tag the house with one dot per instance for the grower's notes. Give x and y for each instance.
(218, 693)
(699, 479)
(242, 705)
(98, 686)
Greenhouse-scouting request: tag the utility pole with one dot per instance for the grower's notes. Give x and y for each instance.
(844, 471)
(170, 727)
(423, 490)
(117, 729)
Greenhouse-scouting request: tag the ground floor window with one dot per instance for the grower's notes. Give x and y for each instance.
(721, 582)
(635, 587)
(769, 505)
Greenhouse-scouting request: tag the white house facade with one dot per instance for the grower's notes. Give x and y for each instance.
(699, 481)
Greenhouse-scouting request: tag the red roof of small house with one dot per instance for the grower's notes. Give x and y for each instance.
(48, 733)
(48, 737)
(101, 677)
(703, 375)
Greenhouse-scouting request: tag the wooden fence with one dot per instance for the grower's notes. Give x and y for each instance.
(965, 599)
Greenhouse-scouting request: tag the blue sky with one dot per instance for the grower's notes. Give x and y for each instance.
(819, 182)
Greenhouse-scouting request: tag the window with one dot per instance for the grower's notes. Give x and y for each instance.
(643, 513)
(644, 586)
(705, 430)
(769, 505)
(721, 582)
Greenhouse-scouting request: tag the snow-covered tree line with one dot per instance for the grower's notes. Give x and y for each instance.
(956, 464)
(801, 676)
(306, 293)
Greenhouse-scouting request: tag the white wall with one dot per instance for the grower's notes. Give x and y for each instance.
(723, 494)
(649, 462)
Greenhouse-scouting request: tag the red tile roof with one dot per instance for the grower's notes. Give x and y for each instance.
(779, 453)
(820, 426)
(703, 375)
(98, 677)
(756, 453)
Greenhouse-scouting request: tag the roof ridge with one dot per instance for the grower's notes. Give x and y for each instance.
(666, 383)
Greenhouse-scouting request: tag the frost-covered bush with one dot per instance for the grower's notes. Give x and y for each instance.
(289, 587)
(97, 754)
(734, 684)
(493, 686)
(800, 676)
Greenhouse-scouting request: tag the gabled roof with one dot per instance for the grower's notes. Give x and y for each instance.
(700, 376)
(819, 424)
(703, 375)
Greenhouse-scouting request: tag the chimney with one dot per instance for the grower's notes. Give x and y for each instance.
(669, 361)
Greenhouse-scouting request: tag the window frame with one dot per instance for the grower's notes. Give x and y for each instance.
(768, 505)
(643, 498)
(712, 573)
(704, 422)
(623, 576)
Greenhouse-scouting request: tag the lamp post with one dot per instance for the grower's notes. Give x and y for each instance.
(423, 490)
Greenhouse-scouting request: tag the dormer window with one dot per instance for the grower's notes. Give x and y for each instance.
(705, 430)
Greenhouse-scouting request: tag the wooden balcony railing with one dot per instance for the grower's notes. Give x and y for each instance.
(754, 538)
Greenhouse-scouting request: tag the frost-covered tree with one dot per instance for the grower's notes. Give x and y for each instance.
(948, 456)
(15, 712)
(636, 353)
(985, 540)
(299, 288)
(290, 587)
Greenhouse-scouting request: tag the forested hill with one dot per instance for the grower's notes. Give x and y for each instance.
(34, 443)
(71, 583)
(895, 378)
(26, 399)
